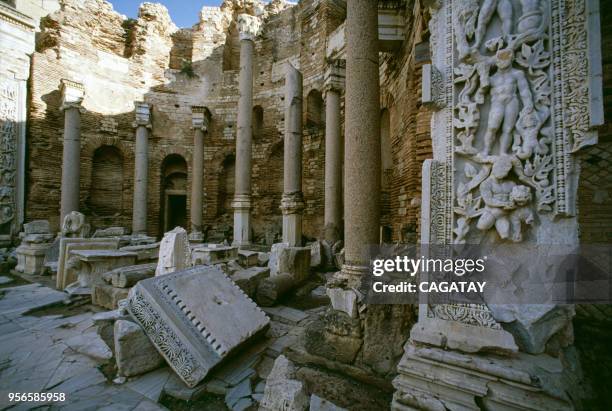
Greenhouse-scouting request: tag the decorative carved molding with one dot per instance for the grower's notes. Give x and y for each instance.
(335, 75)
(199, 118)
(432, 87)
(73, 94)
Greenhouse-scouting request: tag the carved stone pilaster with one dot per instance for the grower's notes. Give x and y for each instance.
(432, 87)
(248, 26)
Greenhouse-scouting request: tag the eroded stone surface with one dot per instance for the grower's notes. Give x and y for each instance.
(195, 318)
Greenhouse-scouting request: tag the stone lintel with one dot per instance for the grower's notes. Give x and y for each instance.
(248, 26)
(142, 114)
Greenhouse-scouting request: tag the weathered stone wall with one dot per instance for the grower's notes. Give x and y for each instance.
(121, 61)
(16, 45)
(409, 121)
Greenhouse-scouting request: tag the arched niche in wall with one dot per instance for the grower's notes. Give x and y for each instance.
(226, 186)
(106, 192)
(315, 110)
(275, 177)
(258, 122)
(173, 192)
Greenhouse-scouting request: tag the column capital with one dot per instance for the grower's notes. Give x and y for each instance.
(335, 74)
(199, 118)
(142, 115)
(248, 26)
(73, 94)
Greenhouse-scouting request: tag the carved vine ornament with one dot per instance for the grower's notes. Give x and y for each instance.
(502, 116)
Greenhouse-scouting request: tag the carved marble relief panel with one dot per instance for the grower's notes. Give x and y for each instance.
(9, 132)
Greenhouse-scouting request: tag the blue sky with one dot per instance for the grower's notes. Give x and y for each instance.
(184, 13)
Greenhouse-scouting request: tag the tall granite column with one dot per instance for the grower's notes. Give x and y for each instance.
(141, 168)
(72, 97)
(292, 203)
(334, 84)
(248, 27)
(362, 138)
(200, 127)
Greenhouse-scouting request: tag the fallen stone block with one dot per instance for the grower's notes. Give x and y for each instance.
(263, 259)
(290, 260)
(196, 318)
(110, 232)
(320, 404)
(105, 321)
(134, 352)
(107, 296)
(145, 253)
(248, 280)
(271, 289)
(316, 254)
(37, 227)
(283, 391)
(66, 275)
(91, 345)
(210, 254)
(174, 252)
(125, 277)
(248, 258)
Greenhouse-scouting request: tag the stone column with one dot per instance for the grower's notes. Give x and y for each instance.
(200, 127)
(141, 168)
(292, 203)
(72, 97)
(248, 27)
(362, 138)
(334, 84)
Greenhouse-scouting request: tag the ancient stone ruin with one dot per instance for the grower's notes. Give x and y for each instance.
(189, 217)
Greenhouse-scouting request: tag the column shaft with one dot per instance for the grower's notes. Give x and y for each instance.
(141, 179)
(292, 202)
(333, 167)
(242, 198)
(362, 136)
(196, 183)
(71, 162)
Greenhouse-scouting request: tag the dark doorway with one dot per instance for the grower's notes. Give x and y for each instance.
(177, 210)
(174, 193)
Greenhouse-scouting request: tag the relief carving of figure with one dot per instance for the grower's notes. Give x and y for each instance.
(507, 84)
(505, 202)
(488, 9)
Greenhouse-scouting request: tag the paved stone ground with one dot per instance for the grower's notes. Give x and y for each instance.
(60, 354)
(58, 350)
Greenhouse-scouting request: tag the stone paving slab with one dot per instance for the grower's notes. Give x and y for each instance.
(61, 354)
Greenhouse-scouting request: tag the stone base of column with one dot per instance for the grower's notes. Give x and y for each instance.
(435, 379)
(196, 237)
(242, 220)
(292, 206)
